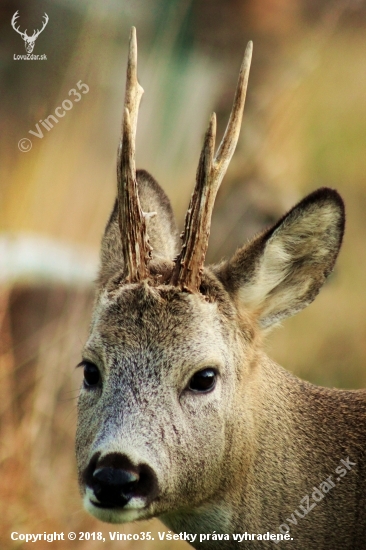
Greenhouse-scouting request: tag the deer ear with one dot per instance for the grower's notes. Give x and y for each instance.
(282, 270)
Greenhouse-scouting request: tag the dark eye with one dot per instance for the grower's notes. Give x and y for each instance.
(203, 381)
(91, 374)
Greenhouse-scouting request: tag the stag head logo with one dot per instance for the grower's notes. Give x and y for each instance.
(28, 40)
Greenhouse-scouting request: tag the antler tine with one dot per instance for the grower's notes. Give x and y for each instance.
(135, 243)
(36, 32)
(229, 141)
(14, 18)
(133, 89)
(13, 22)
(189, 263)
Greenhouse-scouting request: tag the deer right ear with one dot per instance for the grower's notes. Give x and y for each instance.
(282, 270)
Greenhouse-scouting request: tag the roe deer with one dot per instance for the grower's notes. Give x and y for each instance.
(181, 415)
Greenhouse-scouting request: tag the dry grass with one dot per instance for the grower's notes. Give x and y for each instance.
(326, 343)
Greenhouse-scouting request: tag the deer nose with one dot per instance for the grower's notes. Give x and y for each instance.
(114, 481)
(114, 487)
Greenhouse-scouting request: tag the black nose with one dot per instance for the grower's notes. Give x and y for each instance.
(115, 480)
(114, 487)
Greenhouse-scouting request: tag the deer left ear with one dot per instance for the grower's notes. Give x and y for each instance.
(282, 270)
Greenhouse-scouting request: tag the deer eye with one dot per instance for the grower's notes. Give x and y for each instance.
(203, 380)
(91, 374)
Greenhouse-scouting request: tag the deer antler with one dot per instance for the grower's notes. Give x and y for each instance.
(13, 21)
(24, 34)
(211, 170)
(37, 33)
(135, 242)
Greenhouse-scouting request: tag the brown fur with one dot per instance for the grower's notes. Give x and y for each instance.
(241, 457)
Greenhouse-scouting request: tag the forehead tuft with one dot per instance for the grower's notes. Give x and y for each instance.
(140, 316)
(143, 304)
(142, 296)
(156, 290)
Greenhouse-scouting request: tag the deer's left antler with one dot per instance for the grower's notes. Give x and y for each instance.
(37, 33)
(211, 170)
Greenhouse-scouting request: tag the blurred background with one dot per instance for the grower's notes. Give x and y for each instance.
(304, 127)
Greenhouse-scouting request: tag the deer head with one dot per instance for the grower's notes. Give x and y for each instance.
(166, 421)
(29, 41)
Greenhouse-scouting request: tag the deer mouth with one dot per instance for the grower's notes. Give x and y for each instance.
(112, 512)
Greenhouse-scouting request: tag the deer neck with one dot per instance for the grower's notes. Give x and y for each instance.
(287, 443)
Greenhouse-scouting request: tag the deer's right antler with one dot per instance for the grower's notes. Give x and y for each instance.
(189, 263)
(136, 250)
(13, 21)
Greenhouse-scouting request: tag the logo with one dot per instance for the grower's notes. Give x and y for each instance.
(29, 41)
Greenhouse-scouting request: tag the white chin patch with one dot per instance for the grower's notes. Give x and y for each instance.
(133, 510)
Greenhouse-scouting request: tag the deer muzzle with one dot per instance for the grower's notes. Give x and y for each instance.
(113, 481)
